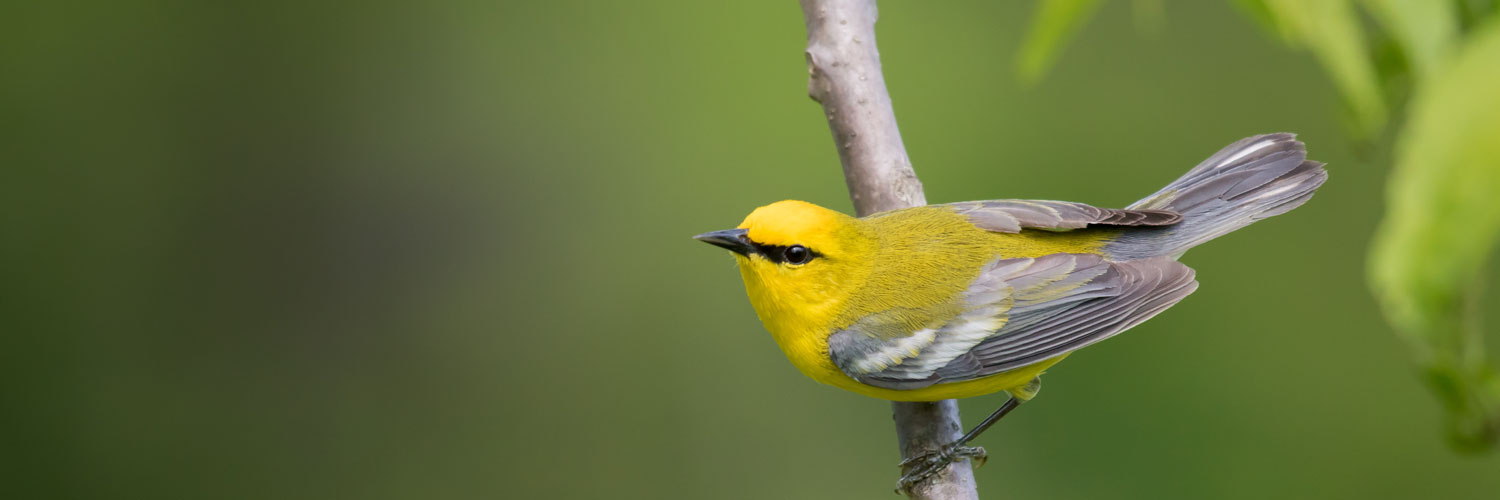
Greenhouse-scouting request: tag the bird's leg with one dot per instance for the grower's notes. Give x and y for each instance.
(925, 465)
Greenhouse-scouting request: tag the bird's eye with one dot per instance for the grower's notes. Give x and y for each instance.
(796, 254)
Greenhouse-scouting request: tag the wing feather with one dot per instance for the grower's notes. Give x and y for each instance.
(1010, 216)
(1144, 288)
(1016, 313)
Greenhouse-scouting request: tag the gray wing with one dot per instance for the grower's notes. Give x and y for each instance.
(1009, 216)
(1018, 312)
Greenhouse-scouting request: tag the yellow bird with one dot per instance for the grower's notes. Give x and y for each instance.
(972, 298)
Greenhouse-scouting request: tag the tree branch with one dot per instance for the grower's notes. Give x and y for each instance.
(844, 68)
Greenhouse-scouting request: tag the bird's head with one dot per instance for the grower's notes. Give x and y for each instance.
(798, 260)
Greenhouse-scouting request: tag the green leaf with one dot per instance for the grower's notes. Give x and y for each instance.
(1473, 12)
(1331, 30)
(1425, 29)
(1259, 12)
(1052, 25)
(1441, 224)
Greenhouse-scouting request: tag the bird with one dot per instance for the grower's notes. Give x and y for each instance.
(972, 298)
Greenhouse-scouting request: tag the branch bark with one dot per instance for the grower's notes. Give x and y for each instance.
(845, 77)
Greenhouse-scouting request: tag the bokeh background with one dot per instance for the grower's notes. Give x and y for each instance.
(441, 250)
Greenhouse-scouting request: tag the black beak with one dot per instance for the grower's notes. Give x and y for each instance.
(732, 239)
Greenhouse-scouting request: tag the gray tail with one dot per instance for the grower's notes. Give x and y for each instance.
(1252, 179)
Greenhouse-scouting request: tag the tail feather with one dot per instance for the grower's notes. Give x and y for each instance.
(1252, 179)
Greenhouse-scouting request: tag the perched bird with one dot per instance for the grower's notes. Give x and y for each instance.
(967, 299)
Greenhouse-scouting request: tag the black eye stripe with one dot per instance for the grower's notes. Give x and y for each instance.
(777, 253)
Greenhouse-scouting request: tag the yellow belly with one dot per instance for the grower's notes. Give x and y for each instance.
(1003, 381)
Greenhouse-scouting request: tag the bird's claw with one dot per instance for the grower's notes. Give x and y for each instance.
(925, 465)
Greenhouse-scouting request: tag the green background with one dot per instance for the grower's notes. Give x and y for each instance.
(441, 250)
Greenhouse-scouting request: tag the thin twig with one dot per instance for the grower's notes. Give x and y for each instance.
(845, 77)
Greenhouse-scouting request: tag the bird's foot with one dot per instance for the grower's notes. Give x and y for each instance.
(925, 465)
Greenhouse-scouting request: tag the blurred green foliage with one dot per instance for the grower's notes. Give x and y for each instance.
(1427, 267)
(1424, 29)
(442, 250)
(1331, 30)
(1441, 227)
(1053, 23)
